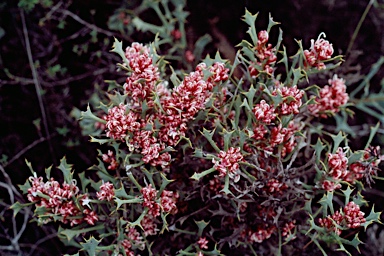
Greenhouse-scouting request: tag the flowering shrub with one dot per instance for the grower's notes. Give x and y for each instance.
(207, 163)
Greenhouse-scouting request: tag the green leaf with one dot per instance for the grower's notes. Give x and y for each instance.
(355, 242)
(227, 138)
(372, 217)
(100, 141)
(84, 181)
(355, 156)
(200, 45)
(319, 147)
(209, 135)
(347, 193)
(164, 183)
(16, 207)
(117, 47)
(201, 225)
(326, 202)
(372, 134)
(359, 200)
(226, 186)
(120, 202)
(48, 172)
(73, 232)
(271, 23)
(90, 245)
(198, 176)
(145, 26)
(89, 115)
(65, 168)
(337, 140)
(250, 20)
(121, 193)
(2, 32)
(30, 166)
(24, 188)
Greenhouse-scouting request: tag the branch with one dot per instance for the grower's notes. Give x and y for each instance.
(37, 84)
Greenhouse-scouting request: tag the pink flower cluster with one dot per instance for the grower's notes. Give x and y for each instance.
(168, 201)
(264, 112)
(338, 164)
(107, 192)
(117, 122)
(320, 51)
(58, 200)
(350, 217)
(228, 163)
(167, 204)
(261, 234)
(285, 136)
(265, 54)
(111, 160)
(291, 99)
(288, 227)
(134, 240)
(149, 225)
(141, 83)
(275, 186)
(176, 108)
(331, 98)
(149, 197)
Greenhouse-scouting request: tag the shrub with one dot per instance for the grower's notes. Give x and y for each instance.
(210, 163)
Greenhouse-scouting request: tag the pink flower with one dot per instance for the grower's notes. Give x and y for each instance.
(329, 221)
(219, 72)
(275, 186)
(126, 244)
(338, 164)
(189, 56)
(350, 217)
(320, 50)
(135, 237)
(90, 217)
(106, 192)
(259, 132)
(261, 234)
(203, 243)
(331, 98)
(176, 34)
(264, 112)
(288, 227)
(262, 37)
(168, 201)
(228, 163)
(265, 54)
(117, 122)
(149, 197)
(111, 160)
(330, 185)
(141, 83)
(353, 216)
(149, 225)
(291, 99)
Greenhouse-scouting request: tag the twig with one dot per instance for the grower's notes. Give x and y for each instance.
(37, 84)
(18, 155)
(40, 241)
(357, 29)
(9, 181)
(89, 25)
(25, 81)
